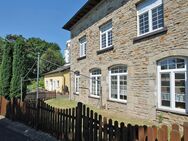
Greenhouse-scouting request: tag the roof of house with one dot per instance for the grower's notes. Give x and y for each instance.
(60, 69)
(89, 5)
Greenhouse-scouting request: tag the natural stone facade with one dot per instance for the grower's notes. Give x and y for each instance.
(141, 57)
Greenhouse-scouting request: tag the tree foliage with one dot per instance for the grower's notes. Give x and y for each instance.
(1, 54)
(1, 49)
(18, 67)
(52, 56)
(18, 54)
(6, 68)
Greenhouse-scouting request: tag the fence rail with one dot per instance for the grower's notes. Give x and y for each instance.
(83, 124)
(44, 95)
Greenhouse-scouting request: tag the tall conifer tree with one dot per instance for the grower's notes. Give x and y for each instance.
(18, 66)
(6, 69)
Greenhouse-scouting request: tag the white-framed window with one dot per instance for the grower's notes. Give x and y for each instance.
(150, 16)
(83, 45)
(95, 84)
(57, 83)
(172, 84)
(46, 84)
(54, 85)
(118, 83)
(106, 35)
(77, 82)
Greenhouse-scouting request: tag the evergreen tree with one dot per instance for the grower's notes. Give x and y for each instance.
(18, 66)
(1, 54)
(0, 82)
(1, 49)
(6, 69)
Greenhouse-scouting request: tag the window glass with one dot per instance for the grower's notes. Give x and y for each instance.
(114, 88)
(150, 16)
(95, 82)
(144, 23)
(106, 35)
(118, 83)
(172, 63)
(180, 90)
(165, 89)
(157, 17)
(77, 82)
(83, 45)
(123, 87)
(104, 40)
(173, 83)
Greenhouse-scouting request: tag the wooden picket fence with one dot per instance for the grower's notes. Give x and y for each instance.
(82, 124)
(44, 95)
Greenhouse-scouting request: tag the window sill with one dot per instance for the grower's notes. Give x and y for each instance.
(105, 50)
(151, 34)
(173, 112)
(81, 58)
(117, 101)
(95, 97)
(75, 93)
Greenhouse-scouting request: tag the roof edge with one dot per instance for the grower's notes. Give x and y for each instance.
(88, 6)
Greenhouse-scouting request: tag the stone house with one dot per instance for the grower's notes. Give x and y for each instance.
(131, 56)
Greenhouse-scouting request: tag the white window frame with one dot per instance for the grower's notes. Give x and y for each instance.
(54, 85)
(148, 9)
(172, 86)
(96, 76)
(46, 84)
(57, 83)
(83, 46)
(105, 32)
(118, 84)
(77, 86)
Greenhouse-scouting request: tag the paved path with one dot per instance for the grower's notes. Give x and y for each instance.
(7, 134)
(15, 131)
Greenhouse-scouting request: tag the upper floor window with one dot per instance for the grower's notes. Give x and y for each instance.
(77, 82)
(150, 16)
(106, 35)
(95, 83)
(172, 84)
(118, 83)
(83, 45)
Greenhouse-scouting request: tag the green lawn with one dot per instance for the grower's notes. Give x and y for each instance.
(61, 103)
(65, 103)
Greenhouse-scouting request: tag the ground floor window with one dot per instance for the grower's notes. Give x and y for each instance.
(77, 82)
(172, 85)
(95, 83)
(118, 83)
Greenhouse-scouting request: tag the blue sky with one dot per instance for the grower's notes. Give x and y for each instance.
(38, 18)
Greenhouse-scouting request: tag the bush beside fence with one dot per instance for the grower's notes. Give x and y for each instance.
(82, 124)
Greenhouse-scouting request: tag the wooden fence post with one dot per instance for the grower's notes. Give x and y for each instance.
(117, 131)
(185, 128)
(154, 132)
(100, 128)
(123, 132)
(141, 134)
(175, 135)
(150, 134)
(78, 122)
(165, 132)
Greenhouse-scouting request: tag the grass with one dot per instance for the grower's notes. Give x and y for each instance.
(61, 103)
(64, 103)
